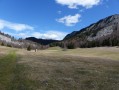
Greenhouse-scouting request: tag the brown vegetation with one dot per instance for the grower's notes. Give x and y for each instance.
(55, 69)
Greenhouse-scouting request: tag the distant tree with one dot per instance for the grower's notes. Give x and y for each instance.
(8, 45)
(71, 46)
(2, 44)
(29, 48)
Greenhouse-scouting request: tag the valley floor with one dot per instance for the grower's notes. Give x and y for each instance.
(56, 69)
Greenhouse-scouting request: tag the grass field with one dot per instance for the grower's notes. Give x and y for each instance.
(55, 69)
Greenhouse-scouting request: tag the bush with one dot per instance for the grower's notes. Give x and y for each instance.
(71, 46)
(29, 48)
(8, 45)
(2, 44)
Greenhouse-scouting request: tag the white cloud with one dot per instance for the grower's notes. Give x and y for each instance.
(28, 31)
(73, 4)
(69, 20)
(55, 35)
(50, 35)
(23, 35)
(14, 26)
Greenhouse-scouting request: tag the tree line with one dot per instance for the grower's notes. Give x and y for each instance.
(111, 40)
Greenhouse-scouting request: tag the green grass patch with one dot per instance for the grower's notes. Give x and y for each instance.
(7, 65)
(13, 74)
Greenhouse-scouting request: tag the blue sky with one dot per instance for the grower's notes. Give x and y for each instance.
(52, 19)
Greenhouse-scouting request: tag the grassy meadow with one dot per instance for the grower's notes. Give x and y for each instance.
(56, 69)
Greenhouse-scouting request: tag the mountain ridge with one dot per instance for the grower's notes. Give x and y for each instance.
(98, 22)
(41, 41)
(10, 41)
(105, 32)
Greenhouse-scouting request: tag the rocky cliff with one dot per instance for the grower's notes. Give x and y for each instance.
(104, 32)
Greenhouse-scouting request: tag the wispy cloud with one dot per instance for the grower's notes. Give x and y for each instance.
(69, 20)
(50, 35)
(73, 4)
(14, 26)
(55, 35)
(24, 30)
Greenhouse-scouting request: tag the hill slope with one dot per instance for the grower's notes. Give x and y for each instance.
(41, 41)
(103, 33)
(7, 40)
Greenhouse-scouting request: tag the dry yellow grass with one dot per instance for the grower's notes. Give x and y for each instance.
(55, 69)
(101, 52)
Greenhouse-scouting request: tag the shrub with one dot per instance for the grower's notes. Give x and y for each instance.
(71, 46)
(8, 45)
(2, 44)
(29, 48)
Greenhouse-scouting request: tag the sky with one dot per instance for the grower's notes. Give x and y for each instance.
(52, 19)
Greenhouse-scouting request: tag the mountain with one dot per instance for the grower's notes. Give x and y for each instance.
(41, 41)
(7, 40)
(102, 33)
(10, 41)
